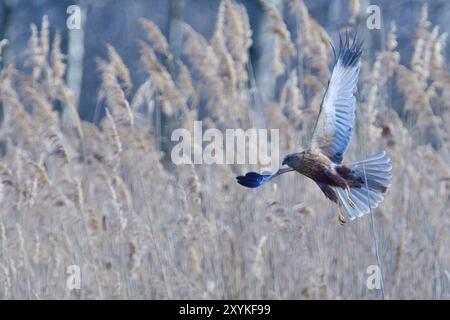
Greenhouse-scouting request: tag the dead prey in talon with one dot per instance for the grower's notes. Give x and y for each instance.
(358, 186)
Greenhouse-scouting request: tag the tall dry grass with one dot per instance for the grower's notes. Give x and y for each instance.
(108, 199)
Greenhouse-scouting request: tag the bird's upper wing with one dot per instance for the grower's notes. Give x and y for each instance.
(336, 119)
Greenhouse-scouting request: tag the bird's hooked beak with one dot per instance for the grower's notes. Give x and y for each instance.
(291, 159)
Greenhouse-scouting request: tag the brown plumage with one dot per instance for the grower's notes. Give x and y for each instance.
(324, 172)
(319, 168)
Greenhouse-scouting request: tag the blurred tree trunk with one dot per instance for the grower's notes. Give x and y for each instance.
(264, 42)
(6, 29)
(6, 32)
(175, 20)
(165, 125)
(75, 49)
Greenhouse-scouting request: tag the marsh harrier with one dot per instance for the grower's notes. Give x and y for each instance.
(357, 187)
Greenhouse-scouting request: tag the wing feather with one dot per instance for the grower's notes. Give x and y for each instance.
(334, 127)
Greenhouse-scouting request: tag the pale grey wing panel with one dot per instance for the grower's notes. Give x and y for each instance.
(336, 120)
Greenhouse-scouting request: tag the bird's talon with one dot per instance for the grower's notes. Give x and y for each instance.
(341, 218)
(351, 203)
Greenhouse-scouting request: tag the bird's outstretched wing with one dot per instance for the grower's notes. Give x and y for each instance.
(254, 180)
(334, 126)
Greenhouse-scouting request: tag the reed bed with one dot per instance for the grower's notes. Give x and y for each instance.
(108, 199)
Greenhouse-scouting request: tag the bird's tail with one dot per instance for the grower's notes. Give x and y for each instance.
(375, 172)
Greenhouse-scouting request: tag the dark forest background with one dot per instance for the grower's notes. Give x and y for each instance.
(117, 22)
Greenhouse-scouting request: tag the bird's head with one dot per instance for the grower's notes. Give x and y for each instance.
(293, 159)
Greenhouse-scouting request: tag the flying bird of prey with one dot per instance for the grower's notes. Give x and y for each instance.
(357, 187)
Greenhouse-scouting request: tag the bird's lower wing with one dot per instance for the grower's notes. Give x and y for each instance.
(254, 180)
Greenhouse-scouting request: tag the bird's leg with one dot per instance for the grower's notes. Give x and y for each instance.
(341, 218)
(349, 201)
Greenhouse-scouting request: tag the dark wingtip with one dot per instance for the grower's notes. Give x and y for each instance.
(349, 55)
